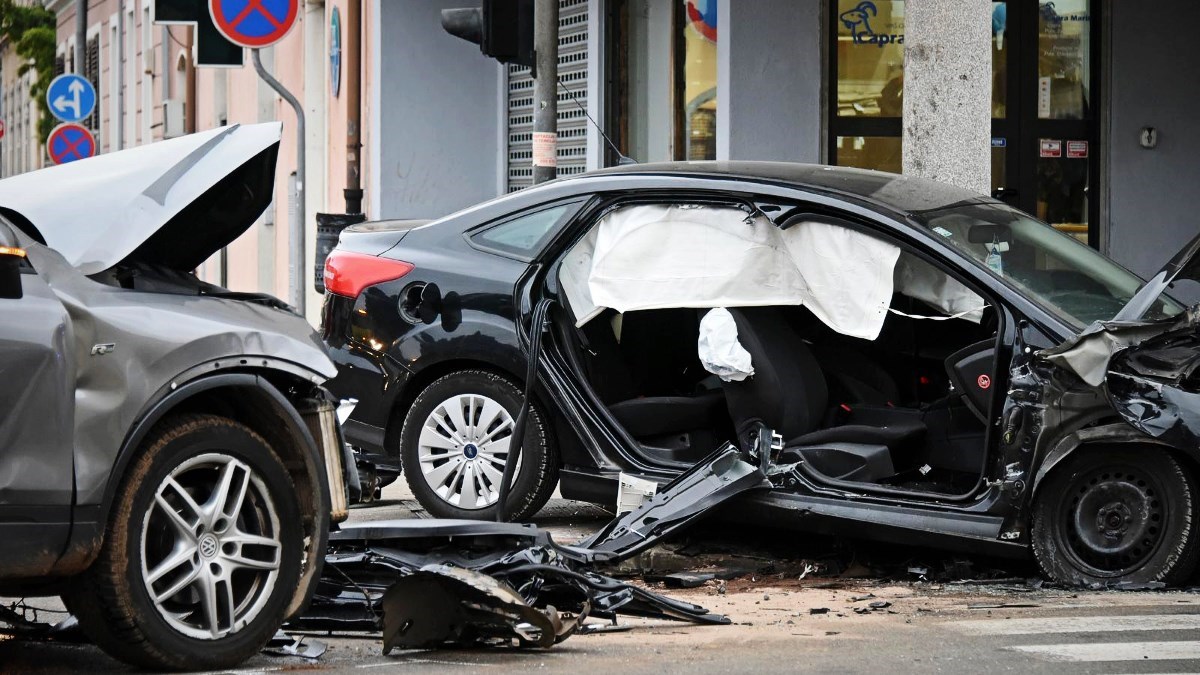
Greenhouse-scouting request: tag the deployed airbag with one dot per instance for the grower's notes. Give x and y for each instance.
(659, 256)
(720, 352)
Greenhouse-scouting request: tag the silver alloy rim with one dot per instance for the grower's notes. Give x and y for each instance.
(210, 547)
(462, 450)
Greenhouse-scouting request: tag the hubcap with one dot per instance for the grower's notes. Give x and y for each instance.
(210, 547)
(462, 450)
(1114, 520)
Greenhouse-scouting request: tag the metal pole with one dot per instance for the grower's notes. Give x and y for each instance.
(296, 230)
(118, 124)
(545, 91)
(81, 18)
(353, 191)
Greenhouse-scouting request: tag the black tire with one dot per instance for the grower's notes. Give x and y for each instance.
(538, 473)
(1108, 516)
(111, 599)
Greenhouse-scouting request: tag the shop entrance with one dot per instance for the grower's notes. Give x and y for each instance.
(1044, 101)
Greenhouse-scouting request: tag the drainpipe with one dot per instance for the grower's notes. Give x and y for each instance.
(118, 125)
(189, 77)
(81, 18)
(296, 228)
(353, 191)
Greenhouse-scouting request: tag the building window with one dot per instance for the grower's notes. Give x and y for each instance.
(664, 93)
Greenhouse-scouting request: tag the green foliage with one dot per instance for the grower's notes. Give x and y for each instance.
(32, 32)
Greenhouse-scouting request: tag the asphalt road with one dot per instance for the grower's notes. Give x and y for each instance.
(926, 626)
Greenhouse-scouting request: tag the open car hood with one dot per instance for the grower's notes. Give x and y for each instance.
(173, 203)
(1185, 265)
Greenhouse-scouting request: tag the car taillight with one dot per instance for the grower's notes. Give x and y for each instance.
(348, 273)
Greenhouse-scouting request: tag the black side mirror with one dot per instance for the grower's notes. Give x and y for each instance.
(431, 303)
(11, 261)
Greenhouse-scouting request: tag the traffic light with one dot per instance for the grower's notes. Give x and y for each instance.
(503, 29)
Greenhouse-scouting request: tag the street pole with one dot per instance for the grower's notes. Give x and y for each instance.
(353, 192)
(296, 230)
(81, 12)
(545, 91)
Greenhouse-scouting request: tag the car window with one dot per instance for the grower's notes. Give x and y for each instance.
(526, 234)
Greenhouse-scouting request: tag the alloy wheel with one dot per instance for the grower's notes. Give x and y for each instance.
(462, 450)
(211, 547)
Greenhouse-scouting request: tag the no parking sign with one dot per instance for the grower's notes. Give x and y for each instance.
(69, 142)
(254, 23)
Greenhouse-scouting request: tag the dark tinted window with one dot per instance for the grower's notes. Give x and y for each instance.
(526, 234)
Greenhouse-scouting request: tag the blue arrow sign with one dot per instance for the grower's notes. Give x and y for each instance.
(71, 97)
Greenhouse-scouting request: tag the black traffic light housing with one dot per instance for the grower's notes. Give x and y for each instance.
(503, 29)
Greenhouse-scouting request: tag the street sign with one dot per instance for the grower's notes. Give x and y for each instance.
(69, 142)
(254, 23)
(335, 52)
(71, 97)
(212, 49)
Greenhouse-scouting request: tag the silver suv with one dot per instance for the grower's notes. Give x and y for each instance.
(170, 463)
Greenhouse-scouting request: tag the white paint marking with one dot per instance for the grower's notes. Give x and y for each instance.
(1116, 651)
(1078, 624)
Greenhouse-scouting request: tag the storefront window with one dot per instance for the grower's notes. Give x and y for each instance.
(870, 58)
(665, 58)
(881, 153)
(1064, 63)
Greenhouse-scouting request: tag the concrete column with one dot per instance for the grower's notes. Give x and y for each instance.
(948, 91)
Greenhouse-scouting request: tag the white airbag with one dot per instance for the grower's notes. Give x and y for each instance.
(720, 352)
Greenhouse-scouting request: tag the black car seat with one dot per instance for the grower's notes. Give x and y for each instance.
(640, 386)
(788, 392)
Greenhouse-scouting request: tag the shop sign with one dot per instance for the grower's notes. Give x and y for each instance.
(1051, 148)
(1077, 149)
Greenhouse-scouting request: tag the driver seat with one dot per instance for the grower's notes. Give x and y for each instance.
(788, 392)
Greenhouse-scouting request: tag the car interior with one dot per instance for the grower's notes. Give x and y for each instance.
(906, 410)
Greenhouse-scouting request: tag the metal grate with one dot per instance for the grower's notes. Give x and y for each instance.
(572, 124)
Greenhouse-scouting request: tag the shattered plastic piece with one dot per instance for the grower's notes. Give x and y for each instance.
(880, 604)
(440, 605)
(720, 352)
(818, 610)
(1138, 586)
(684, 579)
(860, 598)
(304, 647)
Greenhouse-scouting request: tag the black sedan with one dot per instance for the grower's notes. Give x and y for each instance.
(933, 365)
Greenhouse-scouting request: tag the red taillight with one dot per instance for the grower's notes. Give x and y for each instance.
(348, 273)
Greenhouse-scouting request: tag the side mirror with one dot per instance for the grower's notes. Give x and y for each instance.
(11, 260)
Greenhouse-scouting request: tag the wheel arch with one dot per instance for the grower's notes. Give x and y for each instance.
(257, 399)
(1116, 434)
(421, 379)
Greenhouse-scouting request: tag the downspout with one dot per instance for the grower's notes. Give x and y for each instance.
(81, 18)
(118, 125)
(353, 191)
(296, 295)
(189, 76)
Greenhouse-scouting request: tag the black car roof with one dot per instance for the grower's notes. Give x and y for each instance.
(901, 193)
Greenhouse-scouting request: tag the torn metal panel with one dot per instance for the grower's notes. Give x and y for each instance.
(716, 479)
(1087, 354)
(1155, 387)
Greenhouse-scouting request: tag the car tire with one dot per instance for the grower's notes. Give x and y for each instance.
(439, 458)
(1108, 516)
(243, 550)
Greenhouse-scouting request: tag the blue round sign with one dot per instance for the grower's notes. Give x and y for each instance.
(254, 23)
(335, 52)
(71, 97)
(70, 142)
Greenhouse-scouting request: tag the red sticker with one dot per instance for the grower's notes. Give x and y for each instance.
(984, 382)
(1077, 149)
(1051, 147)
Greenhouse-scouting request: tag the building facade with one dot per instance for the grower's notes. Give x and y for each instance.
(1091, 111)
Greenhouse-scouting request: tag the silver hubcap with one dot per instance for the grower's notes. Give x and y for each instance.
(462, 450)
(210, 547)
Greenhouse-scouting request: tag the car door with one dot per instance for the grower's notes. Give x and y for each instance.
(37, 401)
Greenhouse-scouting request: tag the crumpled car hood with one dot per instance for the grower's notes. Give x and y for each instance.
(172, 203)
